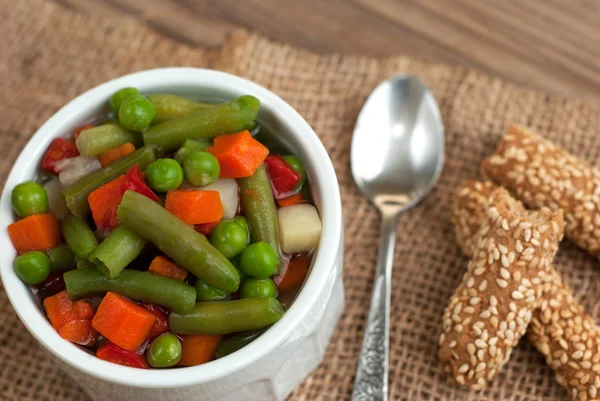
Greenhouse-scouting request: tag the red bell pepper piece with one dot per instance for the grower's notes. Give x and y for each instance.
(206, 228)
(59, 149)
(112, 353)
(161, 324)
(283, 177)
(134, 181)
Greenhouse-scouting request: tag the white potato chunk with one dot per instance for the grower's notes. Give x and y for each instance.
(228, 190)
(300, 228)
(56, 203)
(72, 169)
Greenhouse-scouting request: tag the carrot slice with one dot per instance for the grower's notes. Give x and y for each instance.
(59, 309)
(295, 273)
(38, 232)
(239, 155)
(196, 350)
(291, 200)
(104, 202)
(83, 310)
(79, 331)
(195, 207)
(114, 154)
(166, 267)
(122, 321)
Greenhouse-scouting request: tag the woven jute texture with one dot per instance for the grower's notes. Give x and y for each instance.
(48, 55)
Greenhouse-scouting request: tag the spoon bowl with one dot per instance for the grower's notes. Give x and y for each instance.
(397, 156)
(398, 143)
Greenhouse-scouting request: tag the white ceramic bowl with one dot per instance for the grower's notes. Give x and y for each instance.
(268, 368)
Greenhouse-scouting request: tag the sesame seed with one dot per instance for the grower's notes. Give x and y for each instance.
(480, 367)
(516, 295)
(479, 271)
(479, 343)
(505, 274)
(483, 285)
(519, 246)
(493, 300)
(471, 349)
(577, 355)
(501, 283)
(463, 368)
(474, 301)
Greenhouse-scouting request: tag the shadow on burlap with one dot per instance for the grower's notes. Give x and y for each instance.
(50, 55)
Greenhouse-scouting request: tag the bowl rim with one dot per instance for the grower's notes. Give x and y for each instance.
(323, 180)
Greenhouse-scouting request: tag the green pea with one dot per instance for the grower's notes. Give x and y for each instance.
(297, 165)
(201, 168)
(229, 238)
(258, 260)
(204, 292)
(164, 175)
(164, 351)
(136, 113)
(29, 198)
(258, 288)
(32, 267)
(61, 258)
(120, 96)
(242, 221)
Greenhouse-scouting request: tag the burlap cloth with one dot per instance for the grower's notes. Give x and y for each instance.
(48, 55)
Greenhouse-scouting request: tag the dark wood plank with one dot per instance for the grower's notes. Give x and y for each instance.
(553, 45)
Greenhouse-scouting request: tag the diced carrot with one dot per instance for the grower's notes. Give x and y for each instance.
(291, 200)
(79, 331)
(195, 207)
(239, 155)
(83, 310)
(104, 202)
(38, 232)
(206, 228)
(166, 267)
(82, 128)
(59, 309)
(196, 350)
(116, 153)
(123, 322)
(295, 273)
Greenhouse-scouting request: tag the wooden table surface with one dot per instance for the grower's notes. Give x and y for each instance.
(552, 45)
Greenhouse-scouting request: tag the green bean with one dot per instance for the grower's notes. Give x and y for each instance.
(237, 341)
(259, 206)
(76, 195)
(61, 258)
(79, 236)
(226, 118)
(99, 139)
(189, 145)
(134, 284)
(84, 264)
(169, 107)
(188, 248)
(225, 317)
(117, 251)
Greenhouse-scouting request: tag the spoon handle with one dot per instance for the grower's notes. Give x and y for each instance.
(371, 382)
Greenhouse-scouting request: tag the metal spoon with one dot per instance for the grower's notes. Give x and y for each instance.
(397, 156)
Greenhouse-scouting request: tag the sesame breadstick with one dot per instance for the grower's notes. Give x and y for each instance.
(559, 327)
(543, 174)
(491, 308)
